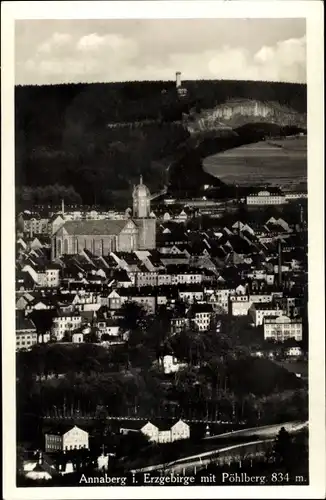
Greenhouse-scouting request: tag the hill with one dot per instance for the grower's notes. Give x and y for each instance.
(97, 138)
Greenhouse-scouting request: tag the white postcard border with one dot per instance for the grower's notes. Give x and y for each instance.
(313, 12)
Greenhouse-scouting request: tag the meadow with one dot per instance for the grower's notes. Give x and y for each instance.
(279, 162)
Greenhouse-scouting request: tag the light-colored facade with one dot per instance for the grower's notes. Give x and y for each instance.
(103, 236)
(259, 311)
(52, 277)
(266, 198)
(75, 438)
(146, 279)
(282, 328)
(202, 317)
(239, 305)
(35, 225)
(25, 339)
(180, 430)
(191, 296)
(171, 364)
(66, 322)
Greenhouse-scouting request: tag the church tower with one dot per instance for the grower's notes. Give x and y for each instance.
(141, 201)
(141, 216)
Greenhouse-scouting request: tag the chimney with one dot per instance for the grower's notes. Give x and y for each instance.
(63, 207)
(280, 263)
(40, 458)
(178, 79)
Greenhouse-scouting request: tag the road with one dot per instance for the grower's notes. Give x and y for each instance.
(225, 451)
(263, 432)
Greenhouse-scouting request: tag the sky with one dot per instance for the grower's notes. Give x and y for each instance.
(64, 51)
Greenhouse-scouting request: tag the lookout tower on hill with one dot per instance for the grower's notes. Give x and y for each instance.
(182, 92)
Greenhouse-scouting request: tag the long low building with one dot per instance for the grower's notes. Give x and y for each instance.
(266, 198)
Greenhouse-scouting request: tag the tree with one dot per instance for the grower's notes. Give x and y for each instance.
(67, 336)
(106, 337)
(92, 337)
(283, 448)
(134, 316)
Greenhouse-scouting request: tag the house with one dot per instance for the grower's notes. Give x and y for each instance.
(52, 275)
(33, 223)
(77, 338)
(65, 322)
(87, 301)
(221, 297)
(55, 222)
(281, 328)
(239, 305)
(258, 311)
(113, 300)
(180, 430)
(107, 326)
(146, 278)
(161, 432)
(178, 324)
(293, 352)
(142, 296)
(26, 335)
(37, 273)
(60, 440)
(181, 217)
(122, 279)
(201, 315)
(40, 469)
(171, 364)
(191, 293)
(23, 301)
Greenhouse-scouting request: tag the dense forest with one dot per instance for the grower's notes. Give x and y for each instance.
(95, 139)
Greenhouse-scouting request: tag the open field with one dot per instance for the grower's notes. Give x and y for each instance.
(280, 163)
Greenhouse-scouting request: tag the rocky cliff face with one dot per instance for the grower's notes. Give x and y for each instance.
(235, 113)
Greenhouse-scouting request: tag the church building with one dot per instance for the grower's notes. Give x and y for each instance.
(136, 232)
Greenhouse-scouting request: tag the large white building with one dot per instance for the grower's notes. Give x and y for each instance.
(65, 322)
(266, 198)
(162, 433)
(258, 311)
(74, 438)
(26, 335)
(282, 328)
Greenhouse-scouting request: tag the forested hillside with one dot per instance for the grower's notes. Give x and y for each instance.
(95, 139)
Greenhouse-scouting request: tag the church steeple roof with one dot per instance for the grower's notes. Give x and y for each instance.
(140, 190)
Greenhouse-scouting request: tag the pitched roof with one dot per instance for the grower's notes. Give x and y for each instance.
(23, 323)
(96, 227)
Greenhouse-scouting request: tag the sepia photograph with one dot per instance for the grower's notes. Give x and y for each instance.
(160, 236)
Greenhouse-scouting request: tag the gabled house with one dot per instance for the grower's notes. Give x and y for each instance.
(26, 335)
(60, 440)
(65, 322)
(160, 431)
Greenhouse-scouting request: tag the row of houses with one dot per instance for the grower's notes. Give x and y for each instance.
(225, 271)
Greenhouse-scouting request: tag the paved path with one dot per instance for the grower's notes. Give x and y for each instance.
(267, 434)
(263, 431)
